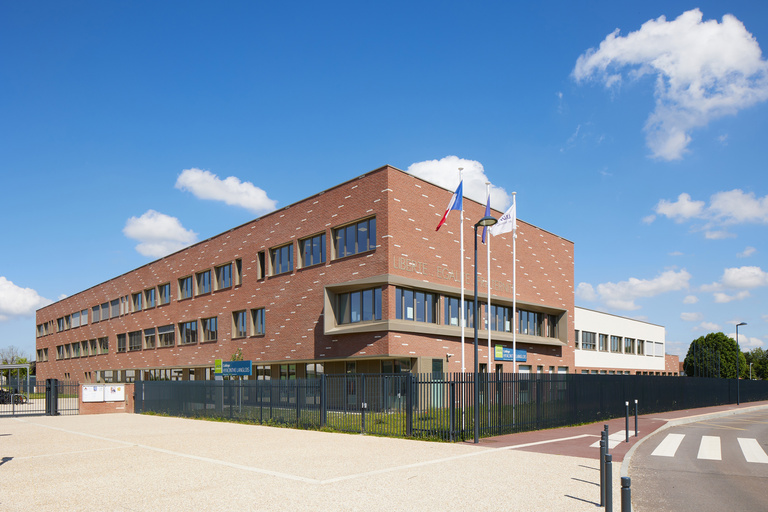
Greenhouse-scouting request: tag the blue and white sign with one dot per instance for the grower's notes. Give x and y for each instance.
(507, 354)
(234, 368)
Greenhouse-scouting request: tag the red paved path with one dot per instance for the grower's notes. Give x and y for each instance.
(580, 447)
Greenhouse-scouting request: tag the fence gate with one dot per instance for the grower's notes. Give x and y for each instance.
(27, 397)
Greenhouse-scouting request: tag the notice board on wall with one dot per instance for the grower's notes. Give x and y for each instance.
(103, 393)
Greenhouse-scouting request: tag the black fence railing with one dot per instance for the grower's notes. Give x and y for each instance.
(437, 406)
(50, 397)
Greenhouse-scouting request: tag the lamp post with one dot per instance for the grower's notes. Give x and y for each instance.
(750, 371)
(485, 222)
(738, 353)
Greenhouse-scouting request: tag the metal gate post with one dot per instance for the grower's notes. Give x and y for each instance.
(323, 400)
(362, 403)
(408, 405)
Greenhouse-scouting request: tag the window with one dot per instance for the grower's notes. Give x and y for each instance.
(314, 370)
(149, 298)
(576, 339)
(588, 340)
(185, 287)
(615, 343)
(501, 318)
(281, 259)
(188, 333)
(104, 345)
(312, 250)
(287, 372)
(640, 347)
(604, 342)
(60, 352)
(76, 350)
(84, 317)
(530, 322)
(149, 338)
(94, 347)
(84, 348)
(165, 336)
(121, 343)
(136, 301)
(238, 272)
(134, 340)
(114, 308)
(210, 329)
(415, 305)
(105, 311)
(203, 282)
(262, 270)
(75, 320)
(59, 324)
(263, 372)
(452, 311)
(224, 276)
(239, 321)
(551, 331)
(355, 238)
(257, 317)
(629, 345)
(164, 292)
(359, 306)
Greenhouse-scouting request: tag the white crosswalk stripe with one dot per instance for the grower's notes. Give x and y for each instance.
(710, 448)
(613, 439)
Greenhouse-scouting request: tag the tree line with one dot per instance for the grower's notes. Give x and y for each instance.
(715, 355)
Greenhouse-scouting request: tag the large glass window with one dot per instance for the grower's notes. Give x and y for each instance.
(203, 282)
(121, 342)
(136, 301)
(165, 293)
(359, 306)
(75, 319)
(615, 343)
(210, 329)
(95, 314)
(416, 305)
(312, 250)
(604, 342)
(134, 340)
(257, 317)
(105, 311)
(530, 322)
(114, 308)
(588, 340)
(185, 287)
(149, 338)
(629, 345)
(165, 336)
(355, 238)
(188, 332)
(224, 276)
(149, 297)
(240, 324)
(282, 259)
(501, 318)
(640, 347)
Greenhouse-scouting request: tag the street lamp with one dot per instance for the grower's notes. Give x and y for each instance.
(738, 353)
(485, 222)
(750, 371)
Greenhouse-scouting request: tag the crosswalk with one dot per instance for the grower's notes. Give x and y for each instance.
(614, 439)
(710, 448)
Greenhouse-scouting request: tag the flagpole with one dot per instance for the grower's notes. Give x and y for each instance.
(488, 307)
(514, 287)
(461, 307)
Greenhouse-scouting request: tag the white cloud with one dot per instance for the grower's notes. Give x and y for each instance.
(749, 251)
(158, 234)
(744, 278)
(748, 343)
(585, 291)
(445, 173)
(703, 71)
(690, 299)
(709, 326)
(725, 208)
(691, 317)
(724, 298)
(622, 295)
(232, 191)
(17, 301)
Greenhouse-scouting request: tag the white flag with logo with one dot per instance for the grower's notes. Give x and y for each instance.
(506, 222)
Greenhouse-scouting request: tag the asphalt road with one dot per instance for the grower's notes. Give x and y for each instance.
(711, 465)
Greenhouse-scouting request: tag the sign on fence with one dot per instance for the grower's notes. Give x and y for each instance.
(103, 393)
(232, 367)
(507, 354)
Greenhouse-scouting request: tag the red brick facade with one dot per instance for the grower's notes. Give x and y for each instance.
(300, 325)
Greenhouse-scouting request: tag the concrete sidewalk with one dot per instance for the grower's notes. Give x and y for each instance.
(134, 462)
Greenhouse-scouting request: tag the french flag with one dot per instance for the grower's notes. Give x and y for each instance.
(455, 204)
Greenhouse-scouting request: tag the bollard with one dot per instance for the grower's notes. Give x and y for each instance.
(635, 417)
(602, 469)
(626, 422)
(626, 494)
(608, 483)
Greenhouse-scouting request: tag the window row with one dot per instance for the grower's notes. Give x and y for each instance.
(586, 340)
(84, 348)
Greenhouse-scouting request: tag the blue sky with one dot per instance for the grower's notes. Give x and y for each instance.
(130, 129)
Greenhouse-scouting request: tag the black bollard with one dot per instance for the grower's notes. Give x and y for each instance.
(608, 483)
(626, 422)
(626, 494)
(602, 468)
(635, 417)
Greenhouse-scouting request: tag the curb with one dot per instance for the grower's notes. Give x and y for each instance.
(683, 421)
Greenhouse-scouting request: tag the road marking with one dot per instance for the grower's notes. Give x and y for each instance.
(669, 445)
(614, 439)
(752, 450)
(709, 449)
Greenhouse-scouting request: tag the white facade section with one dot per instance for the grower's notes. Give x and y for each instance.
(646, 338)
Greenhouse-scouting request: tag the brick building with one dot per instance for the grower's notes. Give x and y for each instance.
(353, 279)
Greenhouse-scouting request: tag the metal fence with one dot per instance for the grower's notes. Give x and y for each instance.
(51, 397)
(437, 406)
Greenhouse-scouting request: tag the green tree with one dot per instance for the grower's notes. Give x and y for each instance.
(714, 355)
(759, 359)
